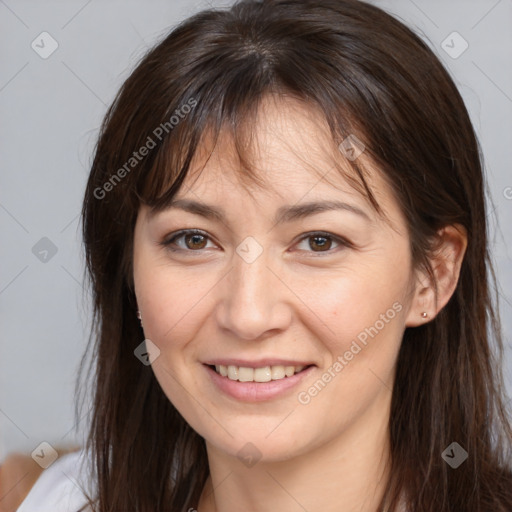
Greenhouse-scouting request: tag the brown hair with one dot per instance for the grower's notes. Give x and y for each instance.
(370, 76)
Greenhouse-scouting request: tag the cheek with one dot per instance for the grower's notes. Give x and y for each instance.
(171, 301)
(352, 302)
(364, 317)
(365, 321)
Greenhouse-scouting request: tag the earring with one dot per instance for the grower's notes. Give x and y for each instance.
(424, 314)
(139, 316)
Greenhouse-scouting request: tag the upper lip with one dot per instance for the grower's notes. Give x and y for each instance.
(260, 363)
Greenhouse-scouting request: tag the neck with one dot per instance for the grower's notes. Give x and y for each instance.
(349, 473)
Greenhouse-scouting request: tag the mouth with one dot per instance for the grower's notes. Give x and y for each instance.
(259, 383)
(260, 374)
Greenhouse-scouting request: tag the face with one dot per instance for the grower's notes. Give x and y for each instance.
(310, 303)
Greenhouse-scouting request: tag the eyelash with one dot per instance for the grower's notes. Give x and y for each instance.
(167, 243)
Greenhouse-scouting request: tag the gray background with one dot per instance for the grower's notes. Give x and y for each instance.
(50, 111)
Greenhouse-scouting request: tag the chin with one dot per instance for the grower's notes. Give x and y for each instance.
(262, 447)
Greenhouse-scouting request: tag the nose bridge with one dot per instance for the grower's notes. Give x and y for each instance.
(251, 277)
(252, 300)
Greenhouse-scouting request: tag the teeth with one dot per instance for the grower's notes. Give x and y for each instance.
(244, 374)
(289, 371)
(265, 374)
(233, 372)
(277, 372)
(262, 374)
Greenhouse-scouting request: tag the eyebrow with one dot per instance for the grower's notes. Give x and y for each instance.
(287, 213)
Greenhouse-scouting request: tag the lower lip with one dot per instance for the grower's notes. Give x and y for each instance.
(256, 391)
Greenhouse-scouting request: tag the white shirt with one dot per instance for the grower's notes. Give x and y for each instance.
(58, 487)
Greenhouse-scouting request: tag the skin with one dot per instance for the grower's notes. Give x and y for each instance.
(296, 300)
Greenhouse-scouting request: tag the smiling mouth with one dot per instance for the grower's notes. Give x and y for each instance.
(263, 374)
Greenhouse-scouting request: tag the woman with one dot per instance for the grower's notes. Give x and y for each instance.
(287, 204)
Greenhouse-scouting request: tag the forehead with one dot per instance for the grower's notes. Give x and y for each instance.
(286, 153)
(289, 144)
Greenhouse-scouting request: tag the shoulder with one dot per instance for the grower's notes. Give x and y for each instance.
(62, 487)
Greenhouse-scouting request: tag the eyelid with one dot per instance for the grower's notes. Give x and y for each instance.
(342, 241)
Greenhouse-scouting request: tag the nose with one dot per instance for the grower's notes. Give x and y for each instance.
(253, 302)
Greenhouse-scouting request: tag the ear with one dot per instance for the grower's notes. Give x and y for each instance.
(446, 262)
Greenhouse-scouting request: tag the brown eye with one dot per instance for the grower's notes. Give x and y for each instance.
(323, 243)
(186, 241)
(195, 241)
(320, 242)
